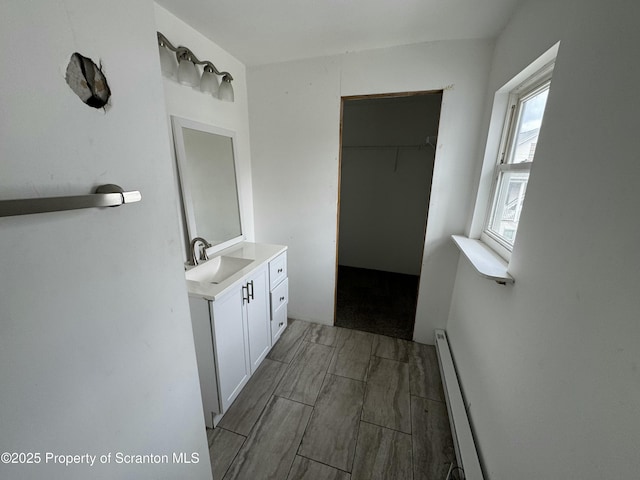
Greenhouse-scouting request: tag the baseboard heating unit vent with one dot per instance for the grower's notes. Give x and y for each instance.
(466, 453)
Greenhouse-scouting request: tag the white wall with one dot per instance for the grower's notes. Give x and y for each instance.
(295, 124)
(96, 348)
(190, 103)
(384, 196)
(550, 365)
(384, 190)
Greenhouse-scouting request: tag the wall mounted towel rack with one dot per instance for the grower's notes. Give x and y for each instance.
(105, 196)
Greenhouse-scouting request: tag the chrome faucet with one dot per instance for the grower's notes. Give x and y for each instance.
(203, 254)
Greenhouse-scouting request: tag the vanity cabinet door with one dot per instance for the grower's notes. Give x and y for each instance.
(231, 347)
(257, 308)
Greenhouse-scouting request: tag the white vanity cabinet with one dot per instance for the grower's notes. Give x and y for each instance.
(241, 333)
(230, 346)
(234, 322)
(257, 316)
(221, 350)
(236, 341)
(279, 286)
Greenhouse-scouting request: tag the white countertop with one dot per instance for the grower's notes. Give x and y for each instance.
(260, 253)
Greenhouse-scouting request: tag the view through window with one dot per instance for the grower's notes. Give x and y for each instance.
(524, 120)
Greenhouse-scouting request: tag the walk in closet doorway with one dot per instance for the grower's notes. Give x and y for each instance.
(388, 149)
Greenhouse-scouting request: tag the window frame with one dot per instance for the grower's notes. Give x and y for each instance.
(531, 86)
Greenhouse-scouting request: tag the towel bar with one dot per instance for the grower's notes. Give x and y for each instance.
(105, 196)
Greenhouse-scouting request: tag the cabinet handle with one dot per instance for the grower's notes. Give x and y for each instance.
(280, 324)
(251, 292)
(279, 270)
(281, 298)
(245, 287)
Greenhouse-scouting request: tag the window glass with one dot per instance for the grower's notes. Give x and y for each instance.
(512, 172)
(529, 122)
(508, 205)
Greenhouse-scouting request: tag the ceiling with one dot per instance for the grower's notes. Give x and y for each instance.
(269, 31)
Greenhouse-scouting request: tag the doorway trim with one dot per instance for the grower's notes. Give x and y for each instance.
(343, 99)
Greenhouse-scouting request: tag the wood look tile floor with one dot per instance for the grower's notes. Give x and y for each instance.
(337, 404)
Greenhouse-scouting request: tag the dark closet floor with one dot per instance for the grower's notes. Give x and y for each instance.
(377, 302)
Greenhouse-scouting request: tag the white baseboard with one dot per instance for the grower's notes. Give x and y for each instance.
(463, 441)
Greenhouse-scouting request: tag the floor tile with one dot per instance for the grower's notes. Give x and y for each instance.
(433, 449)
(376, 415)
(382, 454)
(247, 407)
(303, 379)
(387, 401)
(392, 348)
(223, 447)
(285, 348)
(331, 435)
(351, 358)
(425, 372)
(323, 334)
(269, 451)
(305, 469)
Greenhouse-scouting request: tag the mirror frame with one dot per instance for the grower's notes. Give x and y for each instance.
(178, 123)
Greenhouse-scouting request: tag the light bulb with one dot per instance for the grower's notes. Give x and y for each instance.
(188, 73)
(225, 92)
(209, 82)
(167, 62)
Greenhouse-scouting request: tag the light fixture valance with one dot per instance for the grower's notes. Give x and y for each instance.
(183, 67)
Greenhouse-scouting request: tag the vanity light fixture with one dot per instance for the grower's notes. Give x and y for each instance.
(183, 68)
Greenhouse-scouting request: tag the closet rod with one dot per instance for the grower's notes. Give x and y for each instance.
(105, 196)
(386, 146)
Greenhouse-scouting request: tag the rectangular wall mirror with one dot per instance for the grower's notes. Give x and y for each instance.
(209, 182)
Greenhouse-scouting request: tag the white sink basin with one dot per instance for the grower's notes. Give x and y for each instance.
(217, 269)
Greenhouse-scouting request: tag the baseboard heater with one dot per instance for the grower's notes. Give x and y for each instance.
(464, 444)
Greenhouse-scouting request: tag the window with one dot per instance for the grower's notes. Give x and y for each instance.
(517, 151)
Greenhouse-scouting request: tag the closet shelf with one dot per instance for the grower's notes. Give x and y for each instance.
(380, 147)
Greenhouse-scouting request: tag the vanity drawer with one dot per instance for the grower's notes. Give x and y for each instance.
(279, 296)
(277, 270)
(278, 323)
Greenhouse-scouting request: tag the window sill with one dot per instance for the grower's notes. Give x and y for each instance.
(487, 263)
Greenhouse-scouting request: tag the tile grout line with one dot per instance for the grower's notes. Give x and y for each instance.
(235, 433)
(272, 394)
(291, 366)
(355, 448)
(322, 463)
(386, 428)
(411, 426)
(428, 398)
(313, 410)
(348, 378)
(284, 374)
(235, 456)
